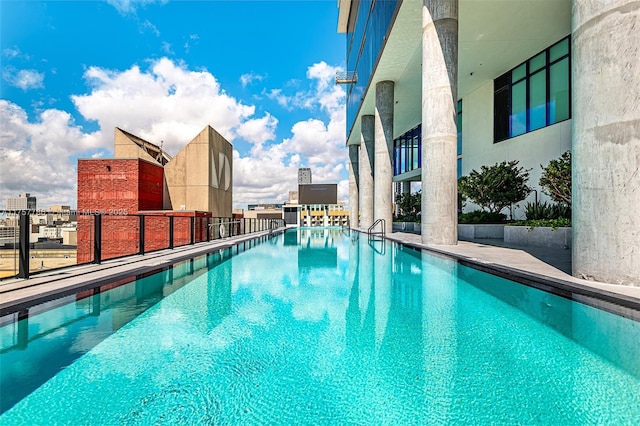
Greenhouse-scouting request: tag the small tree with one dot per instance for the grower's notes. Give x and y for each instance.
(409, 206)
(495, 187)
(556, 179)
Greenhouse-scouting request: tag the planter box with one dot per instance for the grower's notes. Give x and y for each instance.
(541, 236)
(467, 231)
(406, 227)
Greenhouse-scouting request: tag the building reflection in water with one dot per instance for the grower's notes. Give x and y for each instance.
(38, 342)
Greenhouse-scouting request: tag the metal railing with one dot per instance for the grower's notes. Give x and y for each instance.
(346, 77)
(105, 236)
(371, 231)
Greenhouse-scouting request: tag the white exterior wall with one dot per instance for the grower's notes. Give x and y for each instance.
(531, 149)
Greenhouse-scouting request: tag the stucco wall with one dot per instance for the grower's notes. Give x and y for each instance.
(531, 149)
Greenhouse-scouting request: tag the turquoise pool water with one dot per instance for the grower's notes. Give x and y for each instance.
(318, 326)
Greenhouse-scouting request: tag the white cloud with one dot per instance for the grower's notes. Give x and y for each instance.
(259, 130)
(148, 26)
(36, 157)
(246, 79)
(11, 53)
(125, 7)
(23, 79)
(166, 48)
(167, 103)
(276, 95)
(170, 103)
(269, 172)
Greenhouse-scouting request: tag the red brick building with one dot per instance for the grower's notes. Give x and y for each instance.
(124, 189)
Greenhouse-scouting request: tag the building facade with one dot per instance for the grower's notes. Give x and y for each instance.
(182, 192)
(304, 175)
(437, 88)
(24, 201)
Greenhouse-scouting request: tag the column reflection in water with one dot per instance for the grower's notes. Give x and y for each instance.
(353, 316)
(366, 294)
(219, 285)
(439, 295)
(382, 287)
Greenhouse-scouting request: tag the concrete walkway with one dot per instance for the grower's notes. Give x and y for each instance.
(546, 264)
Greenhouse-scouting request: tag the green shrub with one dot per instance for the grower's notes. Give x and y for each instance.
(543, 210)
(552, 223)
(495, 187)
(409, 205)
(556, 179)
(538, 210)
(563, 211)
(481, 216)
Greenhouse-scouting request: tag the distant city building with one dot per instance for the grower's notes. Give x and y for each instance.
(304, 176)
(23, 201)
(264, 206)
(315, 205)
(318, 193)
(59, 215)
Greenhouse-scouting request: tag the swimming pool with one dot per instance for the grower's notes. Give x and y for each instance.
(320, 326)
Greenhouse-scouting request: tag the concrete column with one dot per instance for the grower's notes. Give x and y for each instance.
(606, 140)
(366, 171)
(354, 182)
(406, 187)
(383, 166)
(439, 130)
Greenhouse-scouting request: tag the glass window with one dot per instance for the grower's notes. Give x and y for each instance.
(368, 27)
(416, 148)
(519, 73)
(559, 50)
(537, 62)
(559, 96)
(519, 108)
(535, 94)
(538, 101)
(501, 107)
(406, 156)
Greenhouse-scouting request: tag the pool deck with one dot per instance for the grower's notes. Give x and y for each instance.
(548, 268)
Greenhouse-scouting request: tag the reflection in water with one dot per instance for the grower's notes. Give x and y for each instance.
(317, 248)
(613, 337)
(38, 343)
(439, 335)
(218, 293)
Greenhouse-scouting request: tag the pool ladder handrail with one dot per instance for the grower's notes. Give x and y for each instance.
(373, 233)
(346, 227)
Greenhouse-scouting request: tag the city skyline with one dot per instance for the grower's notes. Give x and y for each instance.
(259, 72)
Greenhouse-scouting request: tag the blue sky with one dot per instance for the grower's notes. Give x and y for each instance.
(259, 72)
